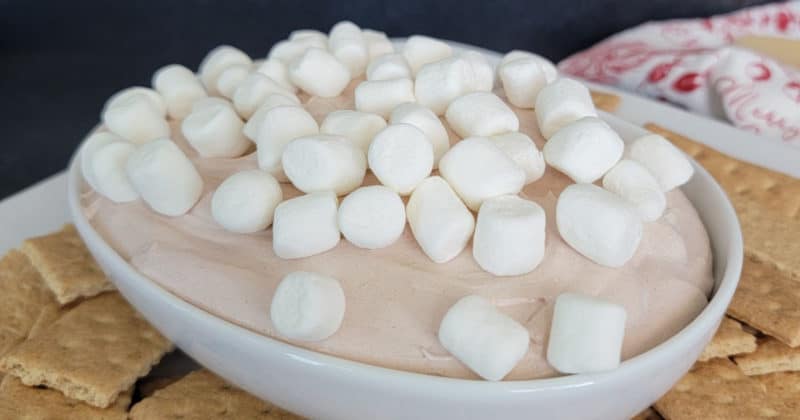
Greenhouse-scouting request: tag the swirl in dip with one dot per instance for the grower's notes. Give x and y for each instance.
(397, 296)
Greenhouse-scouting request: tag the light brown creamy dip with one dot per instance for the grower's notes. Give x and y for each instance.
(397, 296)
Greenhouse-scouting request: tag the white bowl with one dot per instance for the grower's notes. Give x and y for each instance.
(321, 386)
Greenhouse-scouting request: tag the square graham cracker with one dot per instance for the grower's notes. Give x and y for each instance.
(23, 295)
(18, 401)
(771, 356)
(784, 387)
(730, 339)
(769, 300)
(718, 390)
(92, 353)
(66, 265)
(608, 102)
(767, 202)
(203, 395)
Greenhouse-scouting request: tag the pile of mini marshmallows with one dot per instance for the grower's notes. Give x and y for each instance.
(396, 132)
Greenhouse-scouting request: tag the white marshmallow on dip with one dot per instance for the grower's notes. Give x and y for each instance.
(137, 115)
(372, 217)
(509, 236)
(305, 226)
(400, 156)
(586, 334)
(216, 61)
(478, 170)
(164, 177)
(179, 87)
(215, 131)
(307, 306)
(599, 224)
(108, 169)
(246, 201)
(439, 220)
(666, 162)
(488, 341)
(324, 163)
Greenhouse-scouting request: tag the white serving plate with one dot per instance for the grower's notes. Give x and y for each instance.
(320, 386)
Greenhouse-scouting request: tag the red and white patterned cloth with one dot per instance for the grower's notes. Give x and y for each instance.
(691, 62)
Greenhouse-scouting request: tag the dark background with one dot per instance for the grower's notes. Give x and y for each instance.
(61, 59)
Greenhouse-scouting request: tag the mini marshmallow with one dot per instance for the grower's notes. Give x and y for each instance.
(599, 224)
(305, 226)
(584, 150)
(488, 341)
(550, 70)
(215, 131)
(420, 50)
(307, 306)
(401, 156)
(522, 150)
(134, 117)
(279, 126)
(438, 84)
(439, 220)
(230, 79)
(289, 50)
(478, 170)
(246, 201)
(481, 75)
(382, 96)
(560, 103)
(216, 61)
(324, 163)
(346, 42)
(377, 43)
(319, 73)
(153, 97)
(372, 217)
(164, 177)
(179, 87)
(108, 167)
(665, 161)
(271, 101)
(636, 184)
(586, 334)
(388, 67)
(253, 91)
(522, 80)
(430, 125)
(92, 143)
(509, 236)
(481, 114)
(278, 71)
(358, 127)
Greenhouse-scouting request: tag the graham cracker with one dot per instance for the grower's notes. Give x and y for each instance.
(768, 300)
(47, 316)
(23, 294)
(771, 356)
(730, 339)
(648, 414)
(784, 387)
(18, 401)
(608, 102)
(203, 395)
(767, 202)
(717, 389)
(66, 265)
(92, 353)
